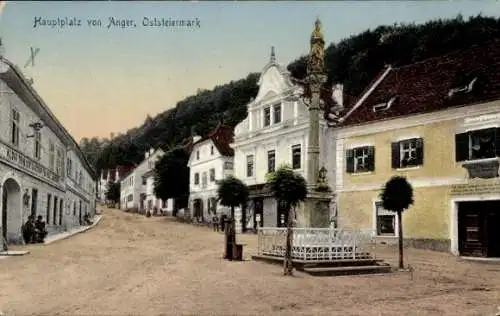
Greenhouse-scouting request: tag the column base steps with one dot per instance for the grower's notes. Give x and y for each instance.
(333, 267)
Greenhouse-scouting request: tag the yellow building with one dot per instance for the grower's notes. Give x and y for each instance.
(436, 122)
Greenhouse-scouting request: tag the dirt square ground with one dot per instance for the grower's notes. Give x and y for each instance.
(132, 265)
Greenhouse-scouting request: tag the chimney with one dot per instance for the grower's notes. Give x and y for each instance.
(196, 138)
(146, 155)
(151, 151)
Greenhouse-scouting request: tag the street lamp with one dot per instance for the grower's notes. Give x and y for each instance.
(37, 126)
(26, 198)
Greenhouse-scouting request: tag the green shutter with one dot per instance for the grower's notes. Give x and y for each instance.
(497, 141)
(349, 160)
(371, 158)
(420, 151)
(396, 154)
(461, 147)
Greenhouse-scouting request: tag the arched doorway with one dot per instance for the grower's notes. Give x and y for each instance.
(198, 210)
(11, 211)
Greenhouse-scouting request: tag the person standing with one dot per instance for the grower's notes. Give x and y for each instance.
(215, 222)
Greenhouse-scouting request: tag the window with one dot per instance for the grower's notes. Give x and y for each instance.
(15, 127)
(38, 140)
(479, 144)
(408, 153)
(197, 155)
(250, 163)
(296, 156)
(144, 181)
(360, 159)
(267, 116)
(52, 156)
(196, 178)
(385, 221)
(211, 150)
(277, 113)
(204, 180)
(130, 197)
(59, 162)
(47, 215)
(212, 175)
(80, 178)
(228, 165)
(69, 167)
(74, 208)
(271, 161)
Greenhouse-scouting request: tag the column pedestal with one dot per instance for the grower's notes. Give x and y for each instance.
(315, 211)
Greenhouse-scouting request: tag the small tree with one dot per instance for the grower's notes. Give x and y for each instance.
(113, 191)
(397, 196)
(232, 193)
(289, 188)
(171, 177)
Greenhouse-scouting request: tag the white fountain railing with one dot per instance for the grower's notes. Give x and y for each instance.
(318, 244)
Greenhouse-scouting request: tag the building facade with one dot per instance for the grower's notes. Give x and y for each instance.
(133, 186)
(274, 133)
(42, 169)
(211, 160)
(154, 204)
(436, 122)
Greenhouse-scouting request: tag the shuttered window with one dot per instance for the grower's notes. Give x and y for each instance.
(360, 159)
(408, 153)
(478, 144)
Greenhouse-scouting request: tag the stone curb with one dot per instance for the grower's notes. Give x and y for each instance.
(62, 236)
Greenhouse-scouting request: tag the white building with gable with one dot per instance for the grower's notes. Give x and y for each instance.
(274, 133)
(211, 160)
(133, 187)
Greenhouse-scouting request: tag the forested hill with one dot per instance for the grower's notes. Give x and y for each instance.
(353, 61)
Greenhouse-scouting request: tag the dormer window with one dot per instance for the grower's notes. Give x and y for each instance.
(384, 106)
(463, 89)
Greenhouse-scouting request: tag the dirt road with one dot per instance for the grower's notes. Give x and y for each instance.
(132, 265)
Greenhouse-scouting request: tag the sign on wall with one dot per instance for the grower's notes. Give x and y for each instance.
(476, 188)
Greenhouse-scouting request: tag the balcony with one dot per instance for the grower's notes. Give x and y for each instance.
(483, 168)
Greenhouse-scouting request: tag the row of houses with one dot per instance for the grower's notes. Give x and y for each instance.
(136, 185)
(436, 122)
(42, 169)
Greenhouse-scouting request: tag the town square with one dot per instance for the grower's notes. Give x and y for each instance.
(348, 169)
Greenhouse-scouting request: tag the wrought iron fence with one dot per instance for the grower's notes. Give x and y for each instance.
(318, 244)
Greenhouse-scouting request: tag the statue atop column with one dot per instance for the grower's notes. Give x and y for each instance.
(316, 63)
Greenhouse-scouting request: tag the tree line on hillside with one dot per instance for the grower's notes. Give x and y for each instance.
(353, 61)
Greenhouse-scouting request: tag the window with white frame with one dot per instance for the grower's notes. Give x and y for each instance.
(271, 161)
(408, 153)
(250, 166)
(228, 165)
(16, 118)
(296, 156)
(212, 175)
(196, 178)
(277, 113)
(59, 162)
(385, 221)
(360, 159)
(38, 144)
(197, 155)
(211, 150)
(477, 144)
(267, 116)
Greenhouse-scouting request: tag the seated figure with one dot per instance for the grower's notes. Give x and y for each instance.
(40, 230)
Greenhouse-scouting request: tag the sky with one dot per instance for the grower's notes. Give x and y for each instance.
(100, 80)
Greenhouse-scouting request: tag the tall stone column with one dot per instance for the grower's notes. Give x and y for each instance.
(315, 82)
(316, 209)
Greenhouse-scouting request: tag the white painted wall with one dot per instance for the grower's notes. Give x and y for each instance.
(19, 163)
(204, 157)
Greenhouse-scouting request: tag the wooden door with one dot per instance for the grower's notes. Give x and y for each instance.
(492, 209)
(4, 213)
(471, 225)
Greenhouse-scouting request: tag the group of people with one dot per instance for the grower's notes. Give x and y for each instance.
(34, 231)
(219, 224)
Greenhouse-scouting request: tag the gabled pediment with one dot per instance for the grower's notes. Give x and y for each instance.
(274, 80)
